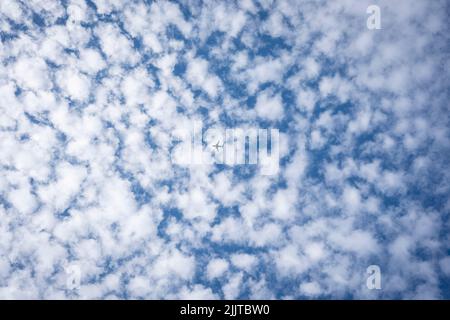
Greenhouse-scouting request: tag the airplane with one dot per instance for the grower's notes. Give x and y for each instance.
(217, 146)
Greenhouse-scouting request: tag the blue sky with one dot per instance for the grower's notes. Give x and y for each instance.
(95, 95)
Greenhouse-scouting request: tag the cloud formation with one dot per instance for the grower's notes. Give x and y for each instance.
(93, 97)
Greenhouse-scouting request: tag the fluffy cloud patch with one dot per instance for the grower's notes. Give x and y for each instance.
(95, 180)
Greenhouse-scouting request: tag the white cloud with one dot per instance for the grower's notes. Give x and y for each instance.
(269, 106)
(198, 75)
(310, 288)
(32, 74)
(244, 261)
(75, 84)
(90, 110)
(216, 268)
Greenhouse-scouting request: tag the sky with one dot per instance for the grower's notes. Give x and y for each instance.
(95, 95)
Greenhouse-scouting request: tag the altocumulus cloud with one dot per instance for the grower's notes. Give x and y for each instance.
(93, 93)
